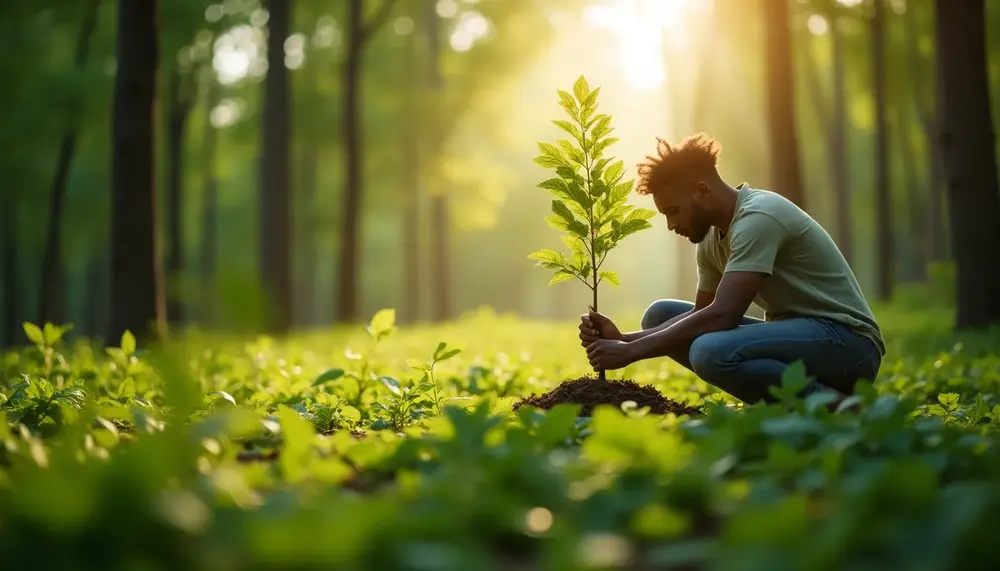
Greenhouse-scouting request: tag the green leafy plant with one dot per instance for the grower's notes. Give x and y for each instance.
(591, 194)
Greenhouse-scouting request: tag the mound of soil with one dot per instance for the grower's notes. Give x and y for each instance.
(591, 392)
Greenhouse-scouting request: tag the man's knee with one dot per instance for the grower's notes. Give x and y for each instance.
(663, 310)
(709, 354)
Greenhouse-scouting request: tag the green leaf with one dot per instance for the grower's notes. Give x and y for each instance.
(609, 276)
(570, 128)
(128, 343)
(598, 149)
(548, 162)
(614, 173)
(559, 207)
(567, 102)
(34, 333)
(601, 126)
(383, 322)
(350, 414)
(581, 89)
(52, 334)
(327, 376)
(561, 276)
(447, 355)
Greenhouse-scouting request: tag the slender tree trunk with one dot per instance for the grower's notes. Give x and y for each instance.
(275, 232)
(347, 303)
(307, 232)
(209, 206)
(179, 108)
(832, 118)
(785, 171)
(440, 221)
(411, 227)
(52, 258)
(968, 143)
(839, 167)
(915, 202)
(358, 33)
(136, 280)
(936, 242)
(96, 287)
(885, 263)
(10, 283)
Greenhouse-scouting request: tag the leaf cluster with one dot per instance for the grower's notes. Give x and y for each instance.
(590, 192)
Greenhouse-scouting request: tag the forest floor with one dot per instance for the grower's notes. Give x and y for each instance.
(236, 453)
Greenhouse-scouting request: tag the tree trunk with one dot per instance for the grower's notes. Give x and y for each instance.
(832, 118)
(915, 202)
(52, 258)
(307, 233)
(178, 110)
(885, 262)
(275, 240)
(209, 206)
(411, 227)
(839, 167)
(785, 174)
(136, 280)
(440, 221)
(968, 143)
(347, 303)
(9, 252)
(934, 235)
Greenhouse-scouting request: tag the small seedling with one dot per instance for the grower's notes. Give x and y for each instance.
(591, 197)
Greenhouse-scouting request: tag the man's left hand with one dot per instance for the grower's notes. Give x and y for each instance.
(609, 354)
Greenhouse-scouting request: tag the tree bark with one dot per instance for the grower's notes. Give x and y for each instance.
(936, 242)
(10, 285)
(209, 206)
(136, 280)
(968, 143)
(885, 263)
(275, 233)
(52, 258)
(832, 117)
(440, 219)
(307, 232)
(178, 111)
(358, 33)
(785, 170)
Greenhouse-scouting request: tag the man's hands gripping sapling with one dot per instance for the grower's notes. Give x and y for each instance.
(591, 203)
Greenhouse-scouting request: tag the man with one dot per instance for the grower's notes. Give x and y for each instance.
(753, 246)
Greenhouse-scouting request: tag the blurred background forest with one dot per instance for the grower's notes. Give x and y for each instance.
(253, 165)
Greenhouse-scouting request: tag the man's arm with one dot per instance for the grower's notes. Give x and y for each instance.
(736, 292)
(702, 300)
(756, 241)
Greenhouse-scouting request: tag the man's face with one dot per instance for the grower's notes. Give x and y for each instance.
(686, 215)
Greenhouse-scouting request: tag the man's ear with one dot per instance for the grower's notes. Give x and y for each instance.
(701, 189)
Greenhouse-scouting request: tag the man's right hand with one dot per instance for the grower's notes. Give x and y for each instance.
(594, 326)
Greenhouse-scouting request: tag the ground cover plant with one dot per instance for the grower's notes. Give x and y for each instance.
(591, 208)
(388, 448)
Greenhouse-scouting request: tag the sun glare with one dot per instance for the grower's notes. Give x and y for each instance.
(643, 28)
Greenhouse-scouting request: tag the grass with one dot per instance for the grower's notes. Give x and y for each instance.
(387, 449)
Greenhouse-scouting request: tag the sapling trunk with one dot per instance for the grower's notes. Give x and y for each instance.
(591, 207)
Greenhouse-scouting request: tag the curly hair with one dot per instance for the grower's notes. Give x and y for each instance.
(696, 155)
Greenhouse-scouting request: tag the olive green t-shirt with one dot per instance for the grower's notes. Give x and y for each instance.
(808, 275)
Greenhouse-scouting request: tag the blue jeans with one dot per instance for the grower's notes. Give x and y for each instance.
(745, 361)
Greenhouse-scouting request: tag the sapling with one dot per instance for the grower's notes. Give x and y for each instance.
(591, 197)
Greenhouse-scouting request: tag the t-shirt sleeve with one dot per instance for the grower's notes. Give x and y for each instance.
(755, 241)
(708, 276)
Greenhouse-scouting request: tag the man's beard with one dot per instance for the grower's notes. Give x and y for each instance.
(699, 225)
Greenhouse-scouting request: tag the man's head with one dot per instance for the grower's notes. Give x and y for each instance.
(684, 184)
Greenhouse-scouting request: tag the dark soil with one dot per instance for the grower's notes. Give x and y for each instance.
(591, 392)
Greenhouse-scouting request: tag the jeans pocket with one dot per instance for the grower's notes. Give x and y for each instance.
(837, 334)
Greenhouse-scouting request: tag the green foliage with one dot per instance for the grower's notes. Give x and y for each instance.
(268, 459)
(591, 195)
